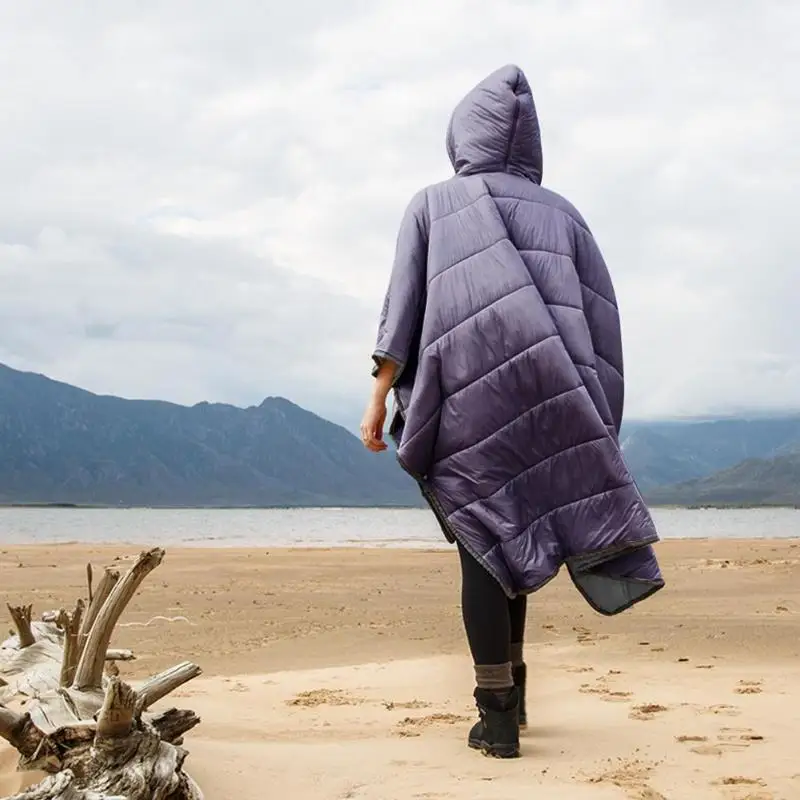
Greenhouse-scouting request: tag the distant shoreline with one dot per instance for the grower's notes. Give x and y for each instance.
(89, 506)
(325, 527)
(724, 506)
(83, 507)
(366, 546)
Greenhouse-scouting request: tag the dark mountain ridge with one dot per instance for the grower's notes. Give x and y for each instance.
(61, 444)
(660, 453)
(754, 482)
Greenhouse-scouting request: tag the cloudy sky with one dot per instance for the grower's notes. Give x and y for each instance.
(199, 200)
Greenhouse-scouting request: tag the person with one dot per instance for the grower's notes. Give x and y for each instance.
(500, 340)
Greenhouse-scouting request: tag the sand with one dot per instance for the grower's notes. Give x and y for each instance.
(343, 674)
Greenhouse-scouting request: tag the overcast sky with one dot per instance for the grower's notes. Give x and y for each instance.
(199, 200)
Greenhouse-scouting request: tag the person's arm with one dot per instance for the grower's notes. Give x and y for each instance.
(402, 311)
(375, 414)
(384, 380)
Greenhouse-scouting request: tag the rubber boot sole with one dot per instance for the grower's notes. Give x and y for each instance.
(495, 750)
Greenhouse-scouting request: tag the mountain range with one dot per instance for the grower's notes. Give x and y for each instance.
(754, 482)
(62, 444)
(718, 462)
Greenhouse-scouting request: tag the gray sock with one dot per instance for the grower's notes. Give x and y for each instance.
(516, 654)
(494, 676)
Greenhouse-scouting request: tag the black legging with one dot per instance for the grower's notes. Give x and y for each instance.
(491, 620)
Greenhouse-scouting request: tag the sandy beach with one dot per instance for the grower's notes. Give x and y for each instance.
(344, 673)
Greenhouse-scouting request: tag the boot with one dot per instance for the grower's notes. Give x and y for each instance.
(497, 732)
(520, 674)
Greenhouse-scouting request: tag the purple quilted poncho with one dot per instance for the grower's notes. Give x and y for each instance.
(502, 315)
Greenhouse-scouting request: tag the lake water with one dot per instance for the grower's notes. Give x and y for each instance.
(327, 527)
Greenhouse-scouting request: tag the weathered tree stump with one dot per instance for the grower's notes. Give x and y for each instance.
(33, 659)
(122, 756)
(93, 732)
(21, 615)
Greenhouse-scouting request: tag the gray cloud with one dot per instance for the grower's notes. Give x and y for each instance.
(201, 202)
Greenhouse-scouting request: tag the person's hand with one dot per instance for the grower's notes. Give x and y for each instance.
(372, 426)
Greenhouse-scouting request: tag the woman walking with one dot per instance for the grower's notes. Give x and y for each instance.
(500, 338)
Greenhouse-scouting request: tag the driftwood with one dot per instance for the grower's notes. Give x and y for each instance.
(90, 665)
(121, 756)
(30, 669)
(21, 616)
(43, 655)
(71, 625)
(96, 601)
(93, 732)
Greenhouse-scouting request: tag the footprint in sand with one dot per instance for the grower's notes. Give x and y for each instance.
(431, 795)
(632, 776)
(757, 795)
(585, 636)
(749, 687)
(601, 689)
(580, 669)
(325, 697)
(720, 710)
(685, 738)
(717, 748)
(352, 792)
(647, 711)
(413, 726)
(739, 735)
(739, 780)
(411, 704)
(728, 740)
